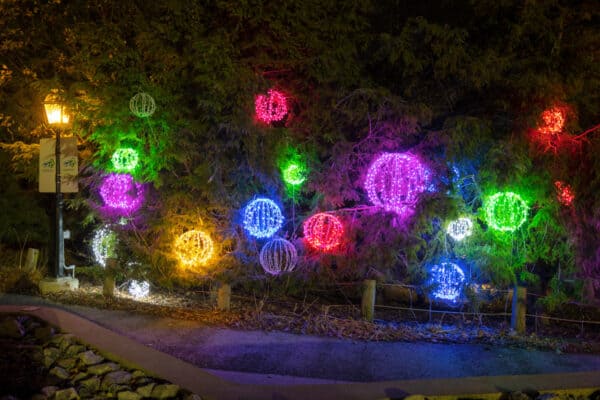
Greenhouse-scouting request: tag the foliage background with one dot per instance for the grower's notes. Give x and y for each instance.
(460, 82)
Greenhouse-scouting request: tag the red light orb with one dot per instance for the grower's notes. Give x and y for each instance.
(553, 120)
(323, 232)
(271, 107)
(564, 193)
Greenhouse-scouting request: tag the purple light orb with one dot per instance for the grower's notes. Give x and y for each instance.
(395, 181)
(121, 194)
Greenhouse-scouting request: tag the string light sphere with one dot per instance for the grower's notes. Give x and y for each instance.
(553, 120)
(121, 193)
(395, 180)
(142, 105)
(125, 159)
(460, 228)
(564, 193)
(506, 211)
(323, 232)
(262, 218)
(271, 107)
(294, 174)
(194, 248)
(139, 290)
(104, 245)
(448, 279)
(278, 256)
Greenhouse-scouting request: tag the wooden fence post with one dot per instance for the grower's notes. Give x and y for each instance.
(110, 271)
(31, 261)
(368, 300)
(519, 309)
(224, 297)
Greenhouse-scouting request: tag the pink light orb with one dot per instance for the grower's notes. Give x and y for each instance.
(271, 107)
(121, 193)
(395, 181)
(323, 232)
(564, 193)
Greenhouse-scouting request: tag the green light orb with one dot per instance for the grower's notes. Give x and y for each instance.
(294, 174)
(506, 211)
(125, 159)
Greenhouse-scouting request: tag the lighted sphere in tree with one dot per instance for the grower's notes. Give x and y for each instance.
(125, 159)
(142, 105)
(564, 193)
(395, 180)
(323, 232)
(104, 245)
(553, 120)
(505, 211)
(294, 174)
(447, 279)
(139, 290)
(262, 218)
(194, 248)
(271, 107)
(277, 256)
(460, 228)
(121, 193)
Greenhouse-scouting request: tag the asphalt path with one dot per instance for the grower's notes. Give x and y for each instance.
(261, 357)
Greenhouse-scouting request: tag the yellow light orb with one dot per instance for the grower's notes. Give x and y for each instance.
(194, 248)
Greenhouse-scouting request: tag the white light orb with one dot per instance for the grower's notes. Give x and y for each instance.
(278, 256)
(104, 245)
(139, 289)
(142, 105)
(460, 228)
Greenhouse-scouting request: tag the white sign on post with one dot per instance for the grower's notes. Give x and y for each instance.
(68, 165)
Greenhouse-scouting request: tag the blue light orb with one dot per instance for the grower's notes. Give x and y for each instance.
(447, 278)
(262, 218)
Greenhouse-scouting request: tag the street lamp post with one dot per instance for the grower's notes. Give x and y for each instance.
(57, 118)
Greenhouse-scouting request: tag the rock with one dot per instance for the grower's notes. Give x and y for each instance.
(66, 394)
(62, 340)
(88, 387)
(192, 396)
(90, 358)
(51, 354)
(101, 369)
(415, 397)
(43, 333)
(38, 396)
(165, 391)
(59, 372)
(113, 379)
(74, 349)
(10, 327)
(549, 396)
(517, 396)
(67, 363)
(48, 391)
(128, 395)
(79, 376)
(138, 374)
(146, 391)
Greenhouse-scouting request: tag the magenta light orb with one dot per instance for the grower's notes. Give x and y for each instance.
(121, 193)
(395, 180)
(271, 107)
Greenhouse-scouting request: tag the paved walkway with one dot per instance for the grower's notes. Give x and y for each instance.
(255, 357)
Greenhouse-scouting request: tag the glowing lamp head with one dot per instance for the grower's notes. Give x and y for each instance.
(448, 279)
(56, 112)
(323, 232)
(505, 211)
(262, 218)
(564, 193)
(294, 174)
(139, 290)
(125, 159)
(460, 228)
(278, 256)
(121, 193)
(395, 181)
(104, 245)
(271, 107)
(194, 248)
